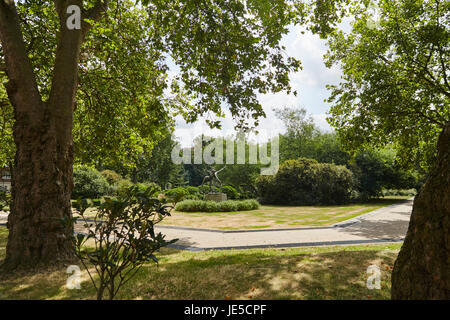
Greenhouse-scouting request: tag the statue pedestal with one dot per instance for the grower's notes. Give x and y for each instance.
(217, 197)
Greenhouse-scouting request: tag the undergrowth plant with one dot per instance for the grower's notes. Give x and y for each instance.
(123, 237)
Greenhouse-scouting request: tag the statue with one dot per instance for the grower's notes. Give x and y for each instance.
(212, 178)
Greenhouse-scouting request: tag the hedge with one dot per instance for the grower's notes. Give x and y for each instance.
(212, 206)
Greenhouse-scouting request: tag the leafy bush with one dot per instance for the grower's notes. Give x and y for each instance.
(192, 190)
(155, 188)
(204, 189)
(112, 177)
(230, 192)
(194, 193)
(212, 206)
(124, 238)
(306, 182)
(176, 194)
(123, 186)
(89, 183)
(249, 204)
(247, 191)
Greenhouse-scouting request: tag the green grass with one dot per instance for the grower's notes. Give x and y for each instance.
(337, 272)
(273, 216)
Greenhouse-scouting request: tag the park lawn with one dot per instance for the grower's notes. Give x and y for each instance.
(267, 217)
(337, 272)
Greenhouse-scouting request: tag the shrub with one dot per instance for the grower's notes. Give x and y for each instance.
(212, 206)
(112, 177)
(194, 193)
(124, 239)
(306, 182)
(123, 186)
(176, 194)
(204, 189)
(230, 192)
(154, 188)
(249, 204)
(89, 183)
(247, 192)
(192, 190)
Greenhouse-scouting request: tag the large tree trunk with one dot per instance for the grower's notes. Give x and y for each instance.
(42, 173)
(41, 190)
(422, 269)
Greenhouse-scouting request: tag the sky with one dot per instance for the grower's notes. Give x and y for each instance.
(310, 84)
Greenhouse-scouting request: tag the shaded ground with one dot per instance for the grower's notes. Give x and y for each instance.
(309, 273)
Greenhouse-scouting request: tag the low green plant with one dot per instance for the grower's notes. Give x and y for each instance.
(231, 192)
(204, 189)
(176, 195)
(124, 238)
(156, 189)
(123, 186)
(192, 190)
(212, 206)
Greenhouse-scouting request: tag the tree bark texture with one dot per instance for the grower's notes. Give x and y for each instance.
(42, 183)
(422, 269)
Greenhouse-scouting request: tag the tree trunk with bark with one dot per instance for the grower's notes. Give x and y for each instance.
(422, 269)
(42, 173)
(41, 193)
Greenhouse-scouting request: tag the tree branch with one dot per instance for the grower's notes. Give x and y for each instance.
(22, 87)
(95, 13)
(65, 72)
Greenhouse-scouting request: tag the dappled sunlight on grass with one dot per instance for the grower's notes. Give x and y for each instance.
(337, 272)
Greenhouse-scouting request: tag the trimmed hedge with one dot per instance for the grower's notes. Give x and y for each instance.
(307, 182)
(212, 206)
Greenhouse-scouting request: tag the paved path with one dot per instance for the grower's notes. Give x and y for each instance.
(388, 224)
(3, 218)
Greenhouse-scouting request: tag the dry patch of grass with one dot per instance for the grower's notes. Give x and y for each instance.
(277, 216)
(337, 272)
